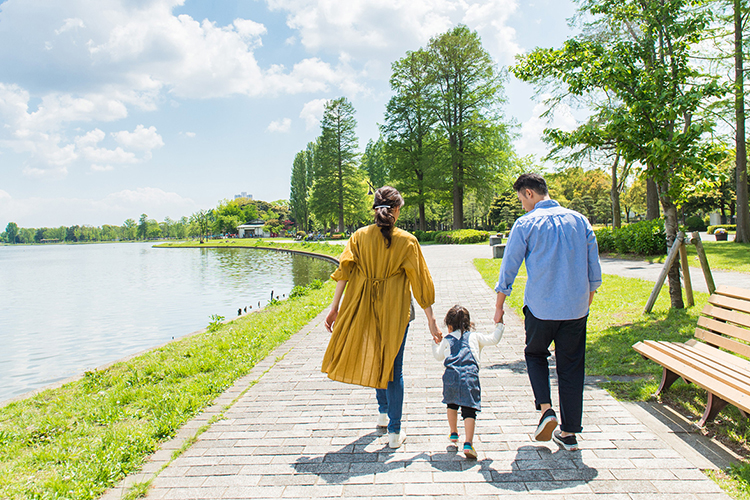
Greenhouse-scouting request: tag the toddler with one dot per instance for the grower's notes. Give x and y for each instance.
(460, 351)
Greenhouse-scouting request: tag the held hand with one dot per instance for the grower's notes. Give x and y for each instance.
(330, 318)
(437, 335)
(499, 313)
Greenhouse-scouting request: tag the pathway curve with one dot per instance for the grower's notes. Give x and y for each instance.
(296, 434)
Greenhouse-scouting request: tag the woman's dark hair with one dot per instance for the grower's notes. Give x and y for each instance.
(386, 200)
(535, 182)
(457, 318)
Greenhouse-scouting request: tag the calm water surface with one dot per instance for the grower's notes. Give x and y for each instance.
(65, 309)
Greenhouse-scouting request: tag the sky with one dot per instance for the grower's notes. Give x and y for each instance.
(114, 108)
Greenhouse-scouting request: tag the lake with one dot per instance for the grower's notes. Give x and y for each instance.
(65, 309)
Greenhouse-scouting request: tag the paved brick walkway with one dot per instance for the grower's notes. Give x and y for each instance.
(296, 434)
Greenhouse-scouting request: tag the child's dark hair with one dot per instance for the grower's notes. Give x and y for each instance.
(386, 200)
(457, 318)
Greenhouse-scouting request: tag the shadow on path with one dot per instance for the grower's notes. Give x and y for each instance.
(534, 468)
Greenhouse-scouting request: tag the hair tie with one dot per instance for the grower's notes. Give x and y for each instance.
(382, 206)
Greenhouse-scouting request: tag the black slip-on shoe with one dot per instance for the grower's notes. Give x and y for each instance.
(547, 424)
(569, 443)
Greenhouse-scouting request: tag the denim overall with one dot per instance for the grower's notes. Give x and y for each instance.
(461, 377)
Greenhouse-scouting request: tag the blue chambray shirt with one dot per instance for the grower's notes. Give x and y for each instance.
(562, 261)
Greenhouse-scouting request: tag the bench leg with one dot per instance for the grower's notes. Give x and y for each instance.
(713, 406)
(667, 379)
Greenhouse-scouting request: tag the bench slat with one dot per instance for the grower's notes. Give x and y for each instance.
(739, 380)
(719, 341)
(725, 314)
(724, 328)
(687, 372)
(722, 356)
(673, 349)
(728, 303)
(733, 291)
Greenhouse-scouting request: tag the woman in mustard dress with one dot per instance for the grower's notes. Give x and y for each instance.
(379, 266)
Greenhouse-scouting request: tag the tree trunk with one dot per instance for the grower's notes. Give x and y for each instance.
(743, 210)
(670, 228)
(652, 200)
(614, 194)
(458, 196)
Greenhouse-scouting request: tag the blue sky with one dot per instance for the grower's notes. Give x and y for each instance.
(113, 108)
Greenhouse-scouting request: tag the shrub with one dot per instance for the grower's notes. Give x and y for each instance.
(728, 227)
(425, 235)
(462, 237)
(501, 228)
(301, 235)
(695, 223)
(644, 238)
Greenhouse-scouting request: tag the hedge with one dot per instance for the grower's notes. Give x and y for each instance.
(644, 238)
(462, 237)
(728, 227)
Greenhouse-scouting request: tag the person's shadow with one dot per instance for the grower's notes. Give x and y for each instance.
(534, 468)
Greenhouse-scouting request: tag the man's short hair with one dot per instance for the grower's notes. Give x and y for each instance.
(535, 182)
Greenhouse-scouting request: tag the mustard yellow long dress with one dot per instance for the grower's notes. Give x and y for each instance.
(374, 311)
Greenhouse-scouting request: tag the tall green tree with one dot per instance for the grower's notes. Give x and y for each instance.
(409, 130)
(11, 232)
(644, 62)
(299, 192)
(337, 178)
(202, 221)
(375, 163)
(467, 93)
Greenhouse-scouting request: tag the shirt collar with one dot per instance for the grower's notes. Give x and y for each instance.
(546, 204)
(456, 334)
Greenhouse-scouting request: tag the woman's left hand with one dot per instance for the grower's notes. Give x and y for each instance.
(330, 318)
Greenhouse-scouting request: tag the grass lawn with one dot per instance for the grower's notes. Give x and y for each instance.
(84, 437)
(616, 322)
(723, 255)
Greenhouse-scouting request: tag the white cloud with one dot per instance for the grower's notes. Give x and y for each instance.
(385, 29)
(70, 24)
(112, 209)
(101, 168)
(282, 125)
(312, 112)
(141, 139)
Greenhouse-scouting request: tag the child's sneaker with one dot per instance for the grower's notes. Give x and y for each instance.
(569, 443)
(454, 437)
(547, 424)
(469, 451)
(383, 420)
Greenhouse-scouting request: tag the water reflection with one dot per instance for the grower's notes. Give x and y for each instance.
(66, 308)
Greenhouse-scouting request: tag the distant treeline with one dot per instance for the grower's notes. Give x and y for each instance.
(223, 219)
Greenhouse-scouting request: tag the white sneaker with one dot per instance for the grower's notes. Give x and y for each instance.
(383, 420)
(396, 440)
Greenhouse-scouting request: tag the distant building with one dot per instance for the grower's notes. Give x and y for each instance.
(253, 229)
(243, 195)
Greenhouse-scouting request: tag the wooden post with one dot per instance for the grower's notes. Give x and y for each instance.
(696, 240)
(686, 274)
(671, 256)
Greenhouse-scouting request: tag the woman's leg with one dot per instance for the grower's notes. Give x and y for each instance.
(395, 391)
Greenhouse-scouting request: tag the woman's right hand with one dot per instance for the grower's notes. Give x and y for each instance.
(330, 318)
(437, 335)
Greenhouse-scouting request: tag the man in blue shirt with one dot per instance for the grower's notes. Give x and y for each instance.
(562, 264)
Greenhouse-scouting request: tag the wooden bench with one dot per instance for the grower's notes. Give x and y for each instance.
(712, 359)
